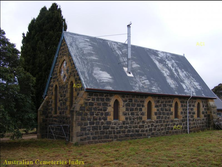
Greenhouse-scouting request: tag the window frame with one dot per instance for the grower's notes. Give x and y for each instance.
(55, 99)
(60, 64)
(73, 98)
(153, 109)
(179, 109)
(201, 115)
(110, 109)
(116, 110)
(198, 109)
(176, 110)
(149, 110)
(71, 95)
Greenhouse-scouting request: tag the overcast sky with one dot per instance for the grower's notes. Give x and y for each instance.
(175, 27)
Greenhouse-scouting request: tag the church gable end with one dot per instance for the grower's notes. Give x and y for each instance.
(63, 90)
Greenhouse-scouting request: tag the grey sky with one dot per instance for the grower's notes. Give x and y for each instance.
(174, 27)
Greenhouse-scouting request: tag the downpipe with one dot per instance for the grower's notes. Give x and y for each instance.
(188, 123)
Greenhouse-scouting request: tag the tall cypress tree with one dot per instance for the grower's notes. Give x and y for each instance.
(39, 46)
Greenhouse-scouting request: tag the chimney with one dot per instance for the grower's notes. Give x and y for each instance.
(129, 63)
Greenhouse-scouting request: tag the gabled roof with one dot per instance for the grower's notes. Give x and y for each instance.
(218, 103)
(100, 64)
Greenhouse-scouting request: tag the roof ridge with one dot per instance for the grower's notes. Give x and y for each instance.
(123, 43)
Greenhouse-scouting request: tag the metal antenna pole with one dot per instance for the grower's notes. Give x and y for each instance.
(129, 63)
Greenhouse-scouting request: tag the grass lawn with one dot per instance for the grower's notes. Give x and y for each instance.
(195, 149)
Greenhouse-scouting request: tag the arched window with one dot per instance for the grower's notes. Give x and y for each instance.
(176, 110)
(55, 99)
(116, 110)
(149, 110)
(71, 95)
(198, 110)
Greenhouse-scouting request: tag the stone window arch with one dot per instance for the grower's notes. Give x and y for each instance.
(198, 109)
(116, 110)
(149, 109)
(176, 109)
(63, 71)
(117, 102)
(71, 93)
(55, 99)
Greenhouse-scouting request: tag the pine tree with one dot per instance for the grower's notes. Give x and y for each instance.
(17, 109)
(39, 46)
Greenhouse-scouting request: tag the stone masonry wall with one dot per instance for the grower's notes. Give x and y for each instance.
(91, 116)
(96, 125)
(47, 114)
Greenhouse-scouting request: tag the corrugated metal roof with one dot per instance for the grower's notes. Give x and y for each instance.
(218, 103)
(100, 64)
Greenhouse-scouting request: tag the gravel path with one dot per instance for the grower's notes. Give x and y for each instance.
(30, 136)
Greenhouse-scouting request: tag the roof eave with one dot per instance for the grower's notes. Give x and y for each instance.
(142, 93)
(53, 65)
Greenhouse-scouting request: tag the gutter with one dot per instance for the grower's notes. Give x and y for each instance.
(188, 128)
(141, 93)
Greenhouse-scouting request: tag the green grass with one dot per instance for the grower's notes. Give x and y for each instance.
(195, 149)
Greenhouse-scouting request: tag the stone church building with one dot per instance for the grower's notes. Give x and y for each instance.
(100, 90)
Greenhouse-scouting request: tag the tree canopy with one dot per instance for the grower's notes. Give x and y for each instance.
(17, 109)
(218, 90)
(39, 46)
